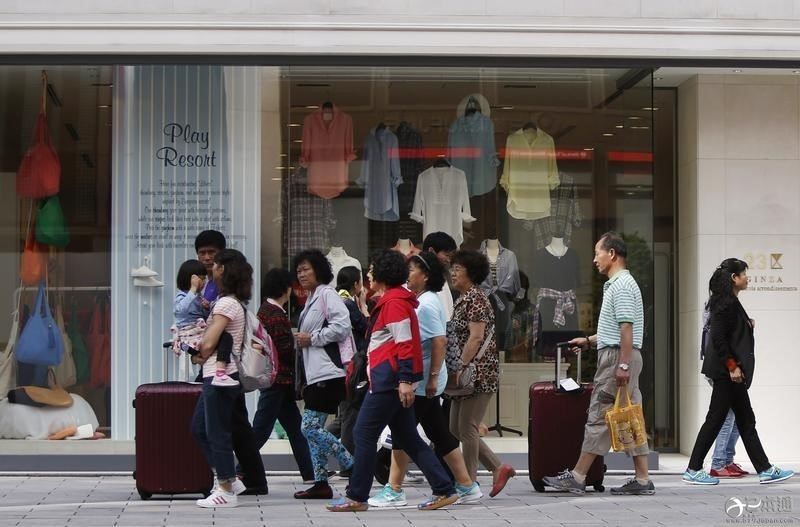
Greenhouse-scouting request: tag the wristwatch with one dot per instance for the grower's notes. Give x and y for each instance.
(624, 367)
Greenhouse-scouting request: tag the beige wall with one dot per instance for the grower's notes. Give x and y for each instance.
(733, 29)
(739, 196)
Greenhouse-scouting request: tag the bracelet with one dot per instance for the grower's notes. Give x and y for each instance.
(434, 374)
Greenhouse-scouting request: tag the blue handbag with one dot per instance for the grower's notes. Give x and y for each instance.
(40, 341)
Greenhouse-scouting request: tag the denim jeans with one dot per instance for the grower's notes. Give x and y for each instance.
(278, 403)
(377, 411)
(211, 426)
(725, 447)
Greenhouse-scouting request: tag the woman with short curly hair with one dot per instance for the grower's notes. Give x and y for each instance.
(471, 325)
(324, 322)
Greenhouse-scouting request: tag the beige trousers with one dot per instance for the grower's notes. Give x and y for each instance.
(465, 416)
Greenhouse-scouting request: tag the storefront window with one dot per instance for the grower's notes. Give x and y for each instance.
(529, 166)
(55, 231)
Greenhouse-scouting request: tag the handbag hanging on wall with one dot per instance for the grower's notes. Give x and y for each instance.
(65, 372)
(40, 342)
(39, 173)
(51, 227)
(99, 343)
(33, 261)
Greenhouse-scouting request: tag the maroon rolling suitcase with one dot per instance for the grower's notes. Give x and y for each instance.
(556, 421)
(168, 460)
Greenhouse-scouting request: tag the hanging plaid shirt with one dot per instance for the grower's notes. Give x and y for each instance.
(565, 213)
(307, 219)
(565, 305)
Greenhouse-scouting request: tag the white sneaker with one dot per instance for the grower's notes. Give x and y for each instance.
(238, 487)
(218, 499)
(224, 381)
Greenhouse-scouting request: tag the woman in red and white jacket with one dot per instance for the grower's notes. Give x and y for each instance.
(395, 366)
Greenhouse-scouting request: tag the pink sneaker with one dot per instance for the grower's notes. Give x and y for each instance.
(223, 379)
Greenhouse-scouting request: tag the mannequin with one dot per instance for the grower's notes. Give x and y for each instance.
(339, 258)
(556, 275)
(502, 285)
(492, 249)
(556, 247)
(405, 247)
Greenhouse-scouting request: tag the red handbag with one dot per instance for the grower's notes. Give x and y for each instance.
(99, 343)
(39, 173)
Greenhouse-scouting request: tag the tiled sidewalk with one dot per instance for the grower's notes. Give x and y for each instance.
(112, 500)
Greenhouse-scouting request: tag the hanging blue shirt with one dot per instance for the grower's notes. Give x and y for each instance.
(380, 175)
(471, 148)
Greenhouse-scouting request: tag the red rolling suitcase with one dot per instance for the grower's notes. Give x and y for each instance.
(556, 421)
(168, 460)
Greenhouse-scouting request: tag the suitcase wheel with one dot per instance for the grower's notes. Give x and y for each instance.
(144, 495)
(538, 486)
(599, 488)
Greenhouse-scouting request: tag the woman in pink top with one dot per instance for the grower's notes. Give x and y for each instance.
(327, 150)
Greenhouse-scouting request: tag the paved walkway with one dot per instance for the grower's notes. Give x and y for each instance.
(112, 500)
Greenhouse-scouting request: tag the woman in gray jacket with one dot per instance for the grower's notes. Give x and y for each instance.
(323, 324)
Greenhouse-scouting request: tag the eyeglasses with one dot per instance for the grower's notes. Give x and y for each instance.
(457, 269)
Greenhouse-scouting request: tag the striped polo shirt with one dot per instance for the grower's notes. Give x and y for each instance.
(622, 302)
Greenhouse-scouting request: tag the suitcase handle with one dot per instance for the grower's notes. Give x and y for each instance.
(557, 377)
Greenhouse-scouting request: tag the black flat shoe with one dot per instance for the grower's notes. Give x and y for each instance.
(320, 491)
(256, 491)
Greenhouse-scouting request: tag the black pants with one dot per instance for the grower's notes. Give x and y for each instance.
(429, 413)
(727, 395)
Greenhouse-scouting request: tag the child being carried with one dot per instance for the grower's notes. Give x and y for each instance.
(191, 310)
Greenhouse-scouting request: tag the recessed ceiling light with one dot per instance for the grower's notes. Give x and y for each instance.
(658, 78)
(276, 179)
(297, 141)
(608, 134)
(292, 125)
(631, 193)
(312, 106)
(104, 106)
(280, 168)
(620, 126)
(506, 107)
(651, 108)
(635, 118)
(640, 127)
(589, 149)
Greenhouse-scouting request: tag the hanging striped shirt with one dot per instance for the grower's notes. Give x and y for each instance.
(622, 302)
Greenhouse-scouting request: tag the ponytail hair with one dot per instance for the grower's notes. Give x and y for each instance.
(720, 286)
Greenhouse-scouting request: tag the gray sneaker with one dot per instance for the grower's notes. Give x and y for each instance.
(565, 481)
(634, 488)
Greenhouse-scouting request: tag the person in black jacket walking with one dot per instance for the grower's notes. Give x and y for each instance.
(729, 363)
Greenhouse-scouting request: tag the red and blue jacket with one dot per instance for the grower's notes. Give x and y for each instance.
(394, 352)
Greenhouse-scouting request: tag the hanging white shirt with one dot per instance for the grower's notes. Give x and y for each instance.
(441, 202)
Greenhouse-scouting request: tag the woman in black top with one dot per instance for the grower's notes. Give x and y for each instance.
(729, 362)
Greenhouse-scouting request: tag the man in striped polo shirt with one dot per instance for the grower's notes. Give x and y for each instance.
(620, 329)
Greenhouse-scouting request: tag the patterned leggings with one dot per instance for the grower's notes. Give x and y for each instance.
(322, 444)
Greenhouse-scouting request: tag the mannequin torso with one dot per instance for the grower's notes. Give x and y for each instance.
(492, 250)
(556, 247)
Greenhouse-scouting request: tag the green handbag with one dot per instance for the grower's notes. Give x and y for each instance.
(51, 227)
(79, 352)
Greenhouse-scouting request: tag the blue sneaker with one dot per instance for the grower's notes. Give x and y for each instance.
(773, 475)
(469, 494)
(700, 477)
(387, 497)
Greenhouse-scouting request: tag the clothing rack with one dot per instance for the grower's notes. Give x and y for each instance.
(91, 288)
(65, 288)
